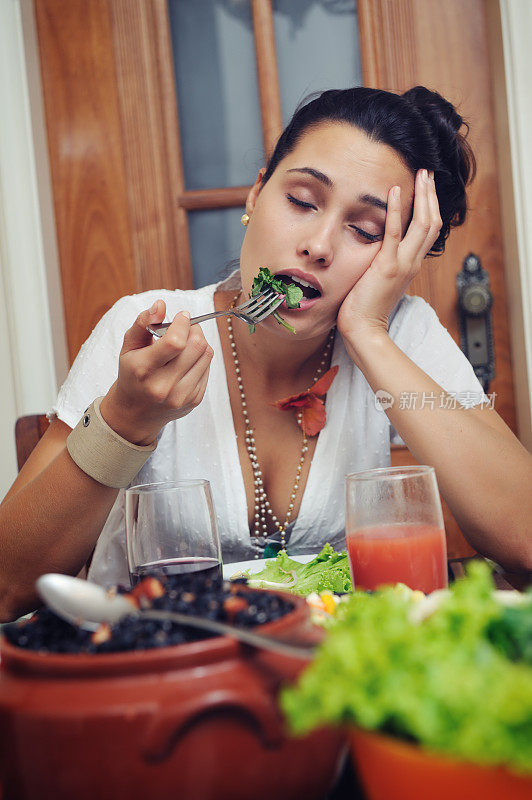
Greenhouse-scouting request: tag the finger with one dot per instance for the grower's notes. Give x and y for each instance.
(174, 341)
(178, 367)
(137, 336)
(171, 385)
(194, 382)
(198, 393)
(419, 228)
(434, 213)
(392, 226)
(202, 385)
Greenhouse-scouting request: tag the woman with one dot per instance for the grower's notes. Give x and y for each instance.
(363, 184)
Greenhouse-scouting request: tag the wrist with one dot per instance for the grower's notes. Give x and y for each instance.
(102, 453)
(364, 344)
(117, 413)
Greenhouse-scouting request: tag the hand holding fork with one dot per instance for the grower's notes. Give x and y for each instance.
(163, 380)
(253, 311)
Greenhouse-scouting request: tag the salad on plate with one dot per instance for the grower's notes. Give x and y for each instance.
(324, 579)
(327, 570)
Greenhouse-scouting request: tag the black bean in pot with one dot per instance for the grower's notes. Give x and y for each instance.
(187, 594)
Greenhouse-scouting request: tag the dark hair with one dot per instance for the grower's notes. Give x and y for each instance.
(420, 125)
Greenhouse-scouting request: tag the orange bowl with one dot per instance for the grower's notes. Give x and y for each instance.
(390, 769)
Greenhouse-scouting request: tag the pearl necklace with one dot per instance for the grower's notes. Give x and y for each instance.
(262, 504)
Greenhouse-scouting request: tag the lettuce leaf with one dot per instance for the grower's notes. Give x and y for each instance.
(294, 294)
(442, 683)
(328, 570)
(512, 632)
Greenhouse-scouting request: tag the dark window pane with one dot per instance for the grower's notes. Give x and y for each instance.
(216, 77)
(317, 48)
(215, 239)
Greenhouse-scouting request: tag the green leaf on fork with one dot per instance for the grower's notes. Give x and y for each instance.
(265, 280)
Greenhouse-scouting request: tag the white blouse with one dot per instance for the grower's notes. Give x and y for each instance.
(203, 444)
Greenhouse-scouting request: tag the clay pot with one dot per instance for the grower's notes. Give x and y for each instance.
(389, 768)
(198, 721)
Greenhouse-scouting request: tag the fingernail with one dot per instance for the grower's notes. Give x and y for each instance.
(153, 309)
(425, 175)
(186, 314)
(396, 191)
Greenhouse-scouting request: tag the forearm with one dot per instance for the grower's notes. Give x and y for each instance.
(483, 471)
(50, 525)
(54, 512)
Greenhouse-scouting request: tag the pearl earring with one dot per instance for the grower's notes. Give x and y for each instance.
(244, 219)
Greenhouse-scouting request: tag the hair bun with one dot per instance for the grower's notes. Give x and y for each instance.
(438, 111)
(457, 165)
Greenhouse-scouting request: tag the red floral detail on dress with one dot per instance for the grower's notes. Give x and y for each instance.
(313, 409)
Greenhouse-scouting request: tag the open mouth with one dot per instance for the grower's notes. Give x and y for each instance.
(309, 291)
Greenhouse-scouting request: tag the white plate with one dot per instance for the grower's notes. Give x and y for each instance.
(257, 565)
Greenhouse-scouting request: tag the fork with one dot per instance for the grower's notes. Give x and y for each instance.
(254, 310)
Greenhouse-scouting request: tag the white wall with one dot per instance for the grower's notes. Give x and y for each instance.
(514, 113)
(32, 342)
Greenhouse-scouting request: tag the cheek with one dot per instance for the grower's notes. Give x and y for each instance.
(248, 266)
(260, 248)
(359, 264)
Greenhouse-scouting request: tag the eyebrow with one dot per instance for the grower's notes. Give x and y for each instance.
(369, 199)
(320, 176)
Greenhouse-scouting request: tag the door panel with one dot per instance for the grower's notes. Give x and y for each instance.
(95, 250)
(113, 140)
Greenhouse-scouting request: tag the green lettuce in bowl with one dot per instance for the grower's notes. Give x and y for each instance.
(457, 682)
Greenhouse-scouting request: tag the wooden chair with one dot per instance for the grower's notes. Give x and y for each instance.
(28, 431)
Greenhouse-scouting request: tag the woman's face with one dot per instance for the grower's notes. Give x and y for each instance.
(320, 219)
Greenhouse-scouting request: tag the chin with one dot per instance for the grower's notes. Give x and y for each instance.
(306, 328)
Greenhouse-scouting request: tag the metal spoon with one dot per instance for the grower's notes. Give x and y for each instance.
(87, 605)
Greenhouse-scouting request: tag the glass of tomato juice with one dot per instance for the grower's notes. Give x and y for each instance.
(394, 529)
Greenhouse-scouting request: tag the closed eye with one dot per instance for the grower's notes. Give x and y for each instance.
(370, 237)
(300, 203)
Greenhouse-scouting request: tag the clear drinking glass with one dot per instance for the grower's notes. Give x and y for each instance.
(394, 528)
(171, 529)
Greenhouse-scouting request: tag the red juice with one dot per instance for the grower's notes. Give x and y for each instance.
(410, 553)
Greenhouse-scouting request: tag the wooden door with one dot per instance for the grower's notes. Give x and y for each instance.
(120, 200)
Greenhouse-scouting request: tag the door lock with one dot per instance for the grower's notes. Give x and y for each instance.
(474, 313)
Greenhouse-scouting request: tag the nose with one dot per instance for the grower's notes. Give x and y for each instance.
(316, 245)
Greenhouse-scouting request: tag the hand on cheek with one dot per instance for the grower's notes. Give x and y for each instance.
(398, 261)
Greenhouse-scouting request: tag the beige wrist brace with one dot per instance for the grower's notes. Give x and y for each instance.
(104, 455)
